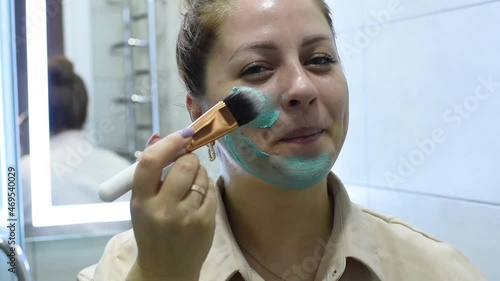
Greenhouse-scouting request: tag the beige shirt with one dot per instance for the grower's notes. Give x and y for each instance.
(364, 246)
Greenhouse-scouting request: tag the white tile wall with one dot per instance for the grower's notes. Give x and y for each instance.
(358, 194)
(371, 8)
(346, 14)
(107, 89)
(173, 112)
(107, 29)
(416, 72)
(139, 6)
(105, 7)
(382, 12)
(351, 164)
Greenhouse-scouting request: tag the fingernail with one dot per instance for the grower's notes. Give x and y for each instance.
(187, 132)
(152, 139)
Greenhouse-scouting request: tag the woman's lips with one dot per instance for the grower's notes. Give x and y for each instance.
(307, 136)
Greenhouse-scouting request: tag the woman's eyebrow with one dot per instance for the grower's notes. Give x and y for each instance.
(255, 45)
(267, 45)
(309, 40)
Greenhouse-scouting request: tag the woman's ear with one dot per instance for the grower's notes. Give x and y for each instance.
(194, 107)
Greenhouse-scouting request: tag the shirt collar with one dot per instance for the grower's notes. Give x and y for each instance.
(352, 237)
(352, 231)
(225, 260)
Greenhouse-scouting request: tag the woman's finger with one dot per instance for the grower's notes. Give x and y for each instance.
(197, 192)
(153, 139)
(179, 179)
(154, 158)
(209, 204)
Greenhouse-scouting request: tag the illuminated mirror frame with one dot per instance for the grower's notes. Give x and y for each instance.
(43, 213)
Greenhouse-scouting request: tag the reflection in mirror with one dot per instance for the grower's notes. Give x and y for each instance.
(93, 103)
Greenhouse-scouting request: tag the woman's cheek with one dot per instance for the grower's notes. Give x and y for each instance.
(259, 137)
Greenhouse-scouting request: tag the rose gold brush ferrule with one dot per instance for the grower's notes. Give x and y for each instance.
(212, 125)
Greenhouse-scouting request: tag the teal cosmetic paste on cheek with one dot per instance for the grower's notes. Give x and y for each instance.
(289, 172)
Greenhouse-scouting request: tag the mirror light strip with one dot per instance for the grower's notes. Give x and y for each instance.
(36, 41)
(3, 204)
(43, 213)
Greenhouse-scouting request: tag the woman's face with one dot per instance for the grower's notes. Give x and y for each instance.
(286, 50)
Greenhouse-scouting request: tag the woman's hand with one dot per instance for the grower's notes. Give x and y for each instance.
(173, 224)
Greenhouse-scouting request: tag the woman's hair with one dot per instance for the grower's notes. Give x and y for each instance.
(67, 97)
(198, 33)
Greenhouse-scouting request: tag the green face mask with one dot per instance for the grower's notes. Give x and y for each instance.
(290, 172)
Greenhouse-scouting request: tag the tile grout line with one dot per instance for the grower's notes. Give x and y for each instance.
(447, 10)
(426, 194)
(443, 11)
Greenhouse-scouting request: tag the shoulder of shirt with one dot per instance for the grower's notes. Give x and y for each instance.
(390, 220)
(121, 240)
(439, 257)
(120, 252)
(118, 258)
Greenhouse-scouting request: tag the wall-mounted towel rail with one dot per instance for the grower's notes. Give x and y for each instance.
(131, 99)
(22, 268)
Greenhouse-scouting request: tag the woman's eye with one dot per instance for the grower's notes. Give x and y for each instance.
(253, 70)
(321, 60)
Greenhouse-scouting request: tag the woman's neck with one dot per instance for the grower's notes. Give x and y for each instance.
(278, 226)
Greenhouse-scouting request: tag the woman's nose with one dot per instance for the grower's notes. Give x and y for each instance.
(301, 92)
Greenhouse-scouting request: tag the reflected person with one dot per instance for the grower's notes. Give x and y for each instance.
(77, 165)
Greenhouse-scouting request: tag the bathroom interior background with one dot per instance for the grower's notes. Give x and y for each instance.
(422, 143)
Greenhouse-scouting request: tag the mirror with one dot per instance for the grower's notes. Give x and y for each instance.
(125, 56)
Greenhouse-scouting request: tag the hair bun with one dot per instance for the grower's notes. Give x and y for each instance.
(61, 71)
(189, 4)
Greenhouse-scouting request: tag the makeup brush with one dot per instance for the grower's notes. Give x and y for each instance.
(242, 106)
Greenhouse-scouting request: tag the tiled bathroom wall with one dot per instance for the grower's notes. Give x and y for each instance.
(109, 73)
(424, 98)
(109, 70)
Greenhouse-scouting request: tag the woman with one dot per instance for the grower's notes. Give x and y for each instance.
(77, 165)
(279, 212)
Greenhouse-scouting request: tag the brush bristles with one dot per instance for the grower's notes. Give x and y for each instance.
(244, 105)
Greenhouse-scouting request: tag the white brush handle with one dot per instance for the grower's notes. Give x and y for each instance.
(121, 183)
